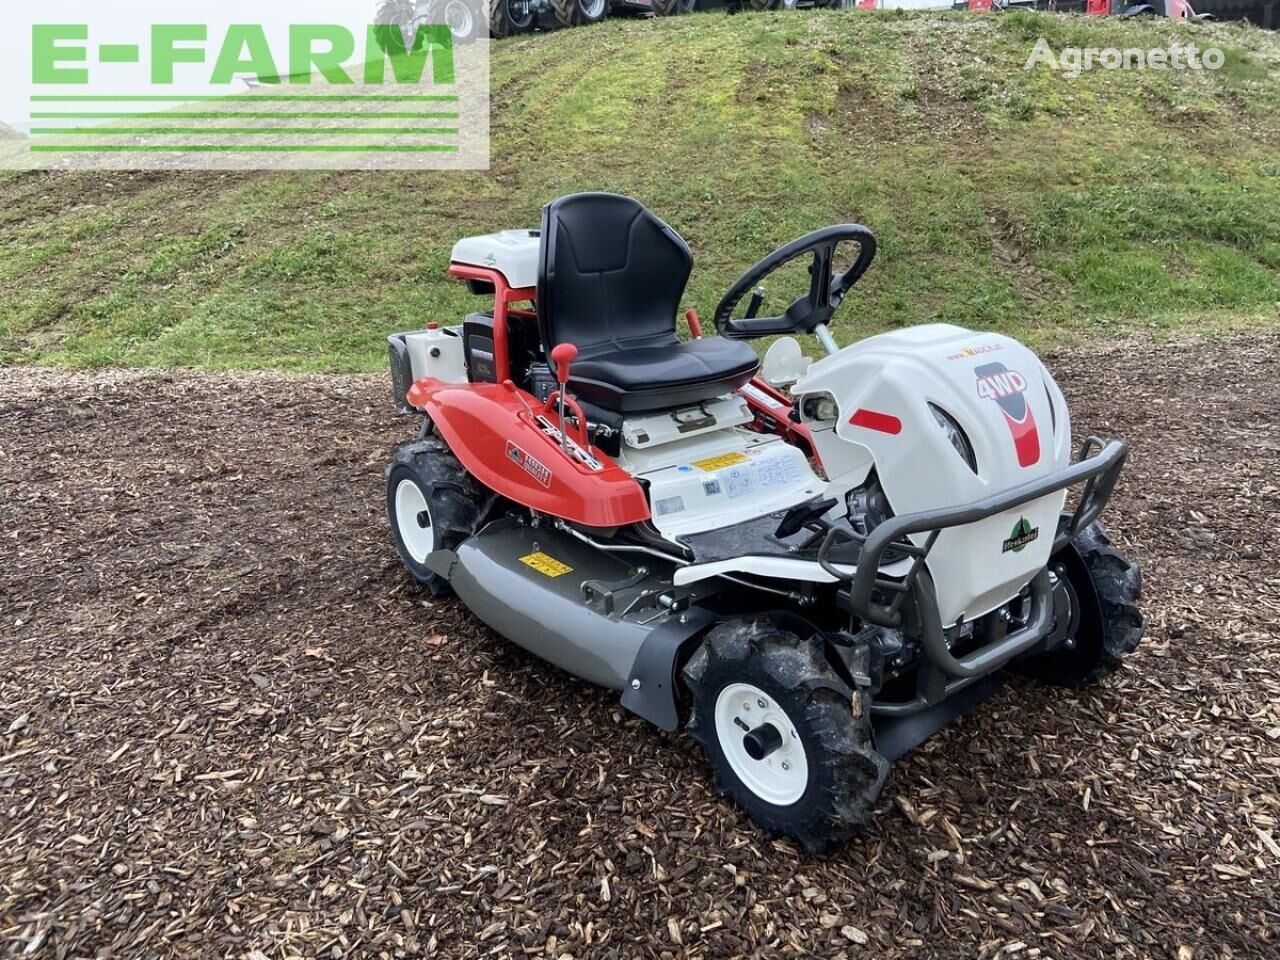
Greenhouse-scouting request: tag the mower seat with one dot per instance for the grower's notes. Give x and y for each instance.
(610, 279)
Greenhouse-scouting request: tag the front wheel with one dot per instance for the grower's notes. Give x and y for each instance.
(432, 504)
(576, 13)
(1098, 612)
(787, 739)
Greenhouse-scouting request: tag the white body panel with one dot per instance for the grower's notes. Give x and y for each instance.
(784, 362)
(999, 394)
(653, 429)
(721, 478)
(782, 568)
(513, 253)
(437, 353)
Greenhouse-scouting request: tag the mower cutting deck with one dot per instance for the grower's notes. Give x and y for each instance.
(815, 568)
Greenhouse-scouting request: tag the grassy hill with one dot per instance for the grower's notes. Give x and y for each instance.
(1002, 198)
(8, 133)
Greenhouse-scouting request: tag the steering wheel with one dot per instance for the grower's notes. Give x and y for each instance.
(826, 287)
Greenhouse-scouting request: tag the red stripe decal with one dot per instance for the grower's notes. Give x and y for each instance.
(1026, 439)
(871, 420)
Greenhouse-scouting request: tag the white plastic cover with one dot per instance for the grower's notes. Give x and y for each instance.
(513, 253)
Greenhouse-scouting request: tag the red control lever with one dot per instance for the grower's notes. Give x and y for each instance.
(562, 356)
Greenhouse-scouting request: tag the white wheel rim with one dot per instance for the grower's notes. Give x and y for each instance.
(781, 777)
(419, 539)
(458, 17)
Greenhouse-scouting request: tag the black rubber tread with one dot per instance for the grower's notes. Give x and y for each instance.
(568, 13)
(1111, 625)
(454, 496)
(1118, 581)
(846, 773)
(763, 4)
(500, 22)
(668, 8)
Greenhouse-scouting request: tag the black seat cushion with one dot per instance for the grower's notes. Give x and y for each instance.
(650, 378)
(610, 279)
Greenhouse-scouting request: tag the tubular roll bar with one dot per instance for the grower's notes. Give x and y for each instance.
(503, 296)
(1099, 472)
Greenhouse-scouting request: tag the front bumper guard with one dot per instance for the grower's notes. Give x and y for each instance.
(1098, 468)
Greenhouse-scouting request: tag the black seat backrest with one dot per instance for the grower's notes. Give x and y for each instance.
(610, 274)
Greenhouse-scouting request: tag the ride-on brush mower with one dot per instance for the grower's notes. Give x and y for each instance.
(817, 565)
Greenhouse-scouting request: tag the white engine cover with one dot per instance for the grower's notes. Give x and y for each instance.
(513, 253)
(1013, 415)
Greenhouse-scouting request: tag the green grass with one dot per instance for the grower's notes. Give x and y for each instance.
(1002, 198)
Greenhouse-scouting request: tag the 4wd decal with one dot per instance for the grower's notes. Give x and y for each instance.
(1022, 534)
(1006, 387)
(534, 468)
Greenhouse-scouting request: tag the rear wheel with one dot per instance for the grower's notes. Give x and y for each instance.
(507, 17)
(1103, 622)
(670, 8)
(787, 739)
(576, 13)
(432, 504)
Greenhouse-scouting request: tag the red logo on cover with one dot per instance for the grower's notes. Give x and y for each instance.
(1006, 387)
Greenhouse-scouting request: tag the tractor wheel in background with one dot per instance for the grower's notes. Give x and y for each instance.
(577, 13)
(671, 8)
(787, 739)
(507, 17)
(764, 4)
(1105, 625)
(432, 504)
(458, 15)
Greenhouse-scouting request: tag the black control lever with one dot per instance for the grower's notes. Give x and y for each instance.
(801, 515)
(753, 305)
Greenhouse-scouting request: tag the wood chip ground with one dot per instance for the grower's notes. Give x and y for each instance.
(229, 727)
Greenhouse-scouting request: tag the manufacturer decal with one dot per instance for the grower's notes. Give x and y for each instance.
(1007, 388)
(546, 565)
(534, 468)
(1022, 534)
(976, 351)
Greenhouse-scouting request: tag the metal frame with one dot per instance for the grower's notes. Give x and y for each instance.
(1099, 473)
(503, 296)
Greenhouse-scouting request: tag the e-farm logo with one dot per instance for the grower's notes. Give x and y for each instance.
(286, 84)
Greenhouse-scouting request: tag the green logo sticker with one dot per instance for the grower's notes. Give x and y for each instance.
(1022, 534)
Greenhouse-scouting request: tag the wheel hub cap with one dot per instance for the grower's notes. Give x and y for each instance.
(413, 520)
(759, 742)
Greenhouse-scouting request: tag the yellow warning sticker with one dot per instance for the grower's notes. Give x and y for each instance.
(717, 463)
(545, 565)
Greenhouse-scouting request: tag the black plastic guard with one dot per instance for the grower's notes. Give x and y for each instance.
(651, 690)
(896, 736)
(401, 372)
